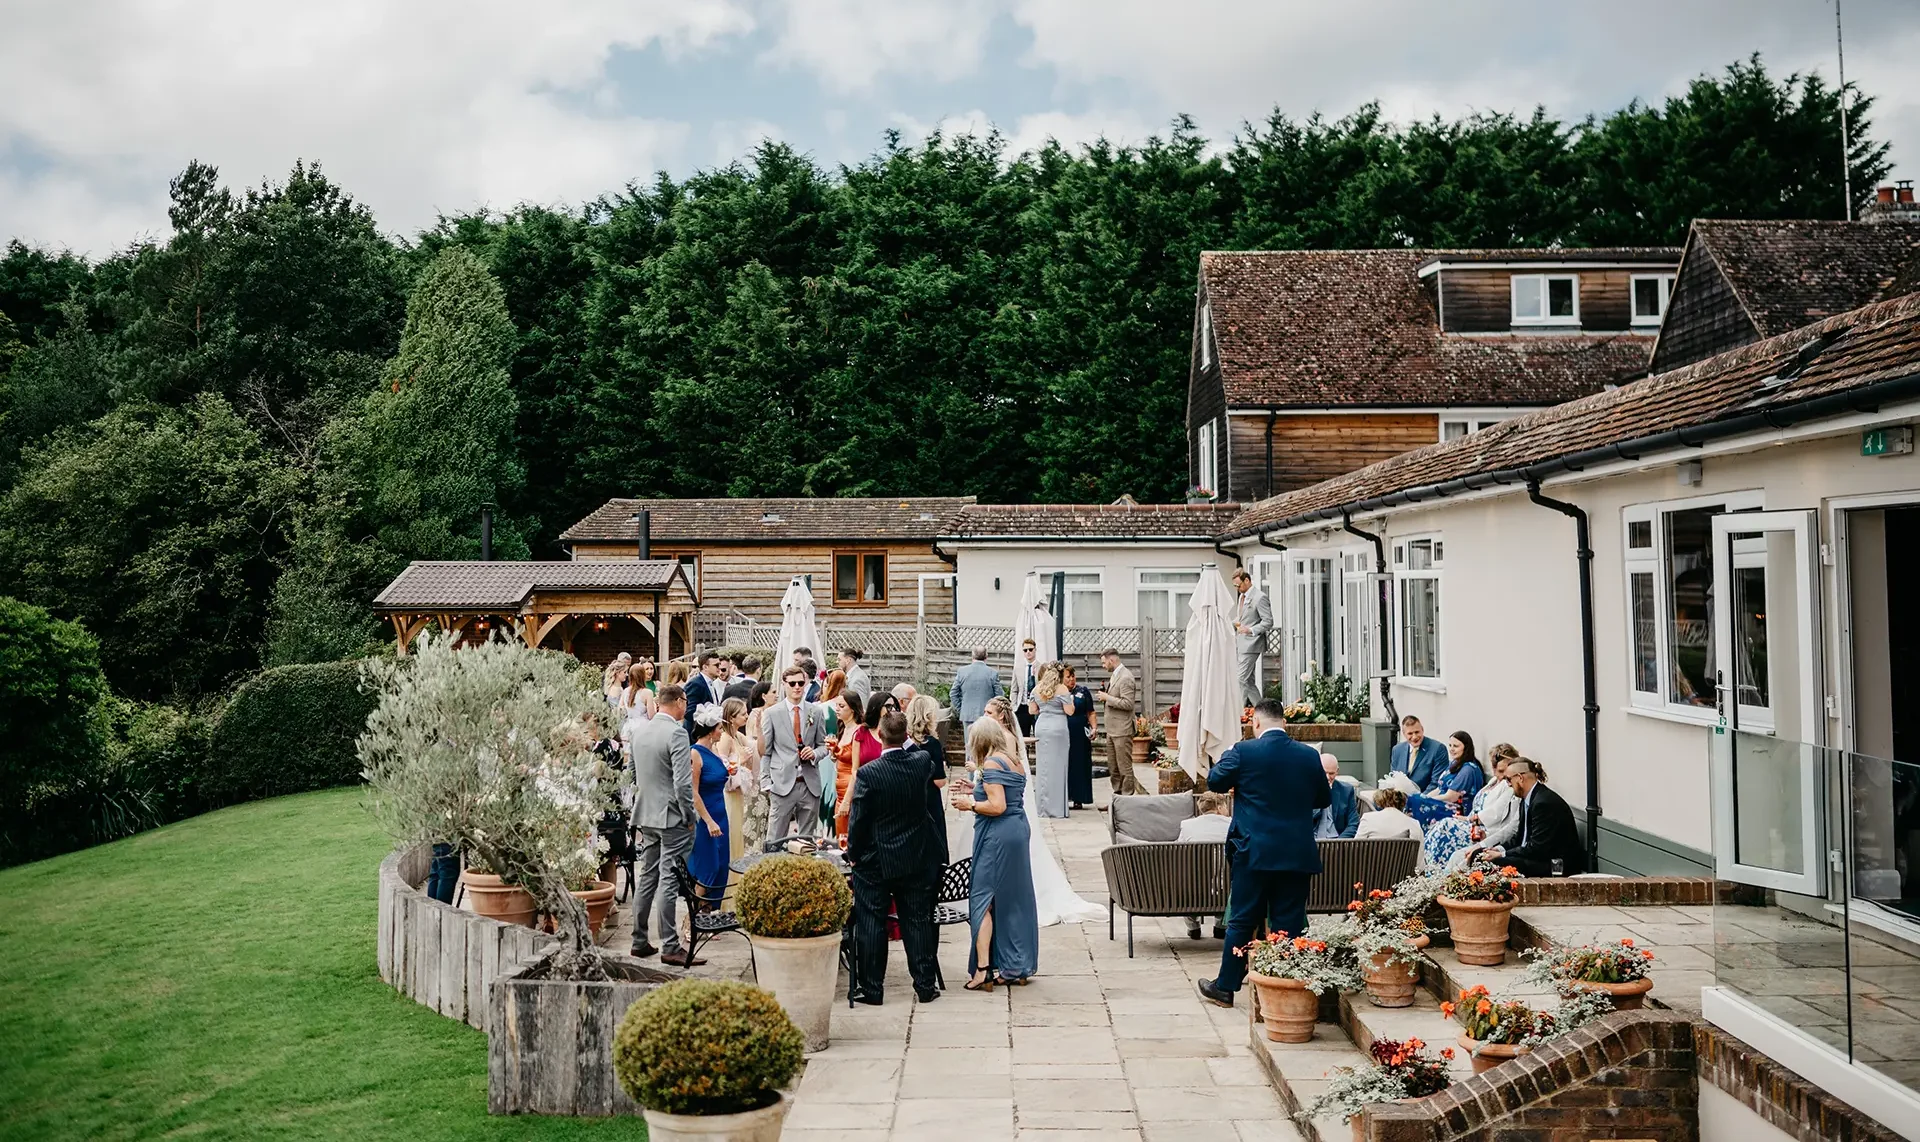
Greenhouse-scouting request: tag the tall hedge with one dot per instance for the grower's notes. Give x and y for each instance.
(50, 734)
(289, 729)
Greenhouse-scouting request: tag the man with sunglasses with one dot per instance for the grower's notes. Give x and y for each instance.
(796, 738)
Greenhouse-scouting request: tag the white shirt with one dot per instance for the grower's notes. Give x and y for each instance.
(1206, 827)
(1386, 825)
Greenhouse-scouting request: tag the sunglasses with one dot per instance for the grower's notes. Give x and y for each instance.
(800, 682)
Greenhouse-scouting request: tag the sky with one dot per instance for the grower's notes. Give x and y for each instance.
(421, 108)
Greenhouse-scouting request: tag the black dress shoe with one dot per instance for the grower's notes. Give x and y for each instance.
(642, 950)
(1219, 932)
(869, 1000)
(927, 996)
(1193, 931)
(1213, 994)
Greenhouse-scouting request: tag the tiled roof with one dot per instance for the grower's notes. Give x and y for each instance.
(1651, 255)
(1789, 273)
(436, 585)
(1090, 521)
(774, 520)
(1358, 327)
(1880, 342)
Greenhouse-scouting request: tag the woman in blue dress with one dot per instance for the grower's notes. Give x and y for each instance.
(1493, 819)
(1450, 790)
(1051, 705)
(1001, 908)
(708, 862)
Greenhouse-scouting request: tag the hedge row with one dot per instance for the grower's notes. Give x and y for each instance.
(288, 729)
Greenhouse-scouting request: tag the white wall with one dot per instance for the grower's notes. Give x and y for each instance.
(981, 604)
(1724, 1118)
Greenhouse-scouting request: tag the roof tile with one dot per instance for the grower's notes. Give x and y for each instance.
(1088, 521)
(433, 585)
(718, 521)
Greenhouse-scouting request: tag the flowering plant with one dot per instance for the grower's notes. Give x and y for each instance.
(1386, 925)
(1300, 711)
(1332, 698)
(1196, 492)
(1497, 884)
(1400, 1069)
(1493, 1020)
(1322, 958)
(1589, 963)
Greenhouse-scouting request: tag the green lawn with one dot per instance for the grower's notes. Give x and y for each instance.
(216, 979)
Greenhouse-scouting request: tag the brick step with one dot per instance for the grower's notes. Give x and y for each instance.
(1298, 1072)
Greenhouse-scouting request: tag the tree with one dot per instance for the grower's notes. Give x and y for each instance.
(50, 732)
(162, 531)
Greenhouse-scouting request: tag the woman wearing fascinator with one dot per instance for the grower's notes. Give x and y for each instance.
(708, 861)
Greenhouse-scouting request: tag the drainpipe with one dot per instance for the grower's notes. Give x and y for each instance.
(1584, 553)
(1233, 555)
(1384, 608)
(1273, 420)
(486, 533)
(1265, 542)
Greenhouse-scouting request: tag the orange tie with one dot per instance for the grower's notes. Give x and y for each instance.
(796, 727)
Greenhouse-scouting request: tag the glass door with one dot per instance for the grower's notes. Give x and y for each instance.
(1769, 767)
(1313, 628)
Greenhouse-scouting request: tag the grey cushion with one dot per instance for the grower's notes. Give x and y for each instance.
(1149, 817)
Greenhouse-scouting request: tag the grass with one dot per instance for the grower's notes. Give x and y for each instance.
(216, 979)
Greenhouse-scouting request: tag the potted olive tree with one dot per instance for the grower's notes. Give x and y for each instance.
(706, 1059)
(793, 909)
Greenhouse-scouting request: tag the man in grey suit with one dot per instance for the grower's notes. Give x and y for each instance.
(1120, 698)
(1252, 619)
(796, 740)
(857, 678)
(974, 685)
(663, 812)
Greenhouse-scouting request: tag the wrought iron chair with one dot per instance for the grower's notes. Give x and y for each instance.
(705, 920)
(956, 887)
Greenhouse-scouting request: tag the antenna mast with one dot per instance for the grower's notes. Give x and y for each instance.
(1846, 146)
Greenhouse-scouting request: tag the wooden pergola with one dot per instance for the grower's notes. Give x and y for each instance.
(542, 602)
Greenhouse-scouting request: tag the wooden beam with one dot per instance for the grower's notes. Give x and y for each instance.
(542, 627)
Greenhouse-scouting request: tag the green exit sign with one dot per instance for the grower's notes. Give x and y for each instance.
(1887, 441)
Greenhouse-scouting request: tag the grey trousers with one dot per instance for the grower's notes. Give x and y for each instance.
(1250, 676)
(656, 889)
(799, 807)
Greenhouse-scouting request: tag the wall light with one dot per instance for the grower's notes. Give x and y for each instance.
(1691, 472)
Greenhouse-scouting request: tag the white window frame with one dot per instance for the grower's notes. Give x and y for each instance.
(1471, 424)
(1206, 335)
(1099, 587)
(1207, 467)
(1397, 548)
(1545, 280)
(1652, 560)
(1140, 585)
(1633, 286)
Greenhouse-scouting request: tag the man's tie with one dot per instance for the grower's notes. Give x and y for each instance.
(1523, 822)
(796, 732)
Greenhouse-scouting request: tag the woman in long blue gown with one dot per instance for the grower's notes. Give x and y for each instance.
(1051, 703)
(708, 862)
(1004, 916)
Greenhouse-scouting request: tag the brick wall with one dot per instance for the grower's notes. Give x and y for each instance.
(1630, 1075)
(1778, 1095)
(1619, 890)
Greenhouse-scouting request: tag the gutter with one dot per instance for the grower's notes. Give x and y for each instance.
(1868, 398)
(1234, 555)
(1583, 552)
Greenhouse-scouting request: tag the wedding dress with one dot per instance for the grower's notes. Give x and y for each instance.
(1056, 901)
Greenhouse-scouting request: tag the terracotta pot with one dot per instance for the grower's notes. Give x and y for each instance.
(489, 896)
(1287, 1008)
(801, 973)
(598, 898)
(1626, 996)
(1479, 929)
(1487, 1056)
(1142, 748)
(1172, 730)
(1391, 984)
(763, 1125)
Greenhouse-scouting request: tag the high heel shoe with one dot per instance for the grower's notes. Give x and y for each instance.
(984, 984)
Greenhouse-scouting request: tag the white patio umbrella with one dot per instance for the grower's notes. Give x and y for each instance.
(1032, 621)
(797, 626)
(1209, 683)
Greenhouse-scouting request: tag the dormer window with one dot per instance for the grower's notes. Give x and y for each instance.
(1650, 294)
(1546, 299)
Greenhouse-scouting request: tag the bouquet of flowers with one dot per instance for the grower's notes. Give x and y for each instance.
(1589, 963)
(1400, 1069)
(1322, 958)
(1497, 884)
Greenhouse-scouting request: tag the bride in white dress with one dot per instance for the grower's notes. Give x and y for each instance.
(1054, 899)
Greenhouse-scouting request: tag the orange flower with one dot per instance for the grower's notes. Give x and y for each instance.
(1626, 941)
(1355, 906)
(1446, 1053)
(1414, 1044)
(1359, 884)
(1446, 1009)
(1649, 955)
(1509, 870)
(1476, 877)
(1483, 1007)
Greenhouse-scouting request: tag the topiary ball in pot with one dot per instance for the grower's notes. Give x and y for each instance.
(703, 1046)
(793, 897)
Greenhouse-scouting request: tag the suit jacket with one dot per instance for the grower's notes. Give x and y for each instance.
(1546, 821)
(890, 829)
(784, 767)
(1021, 688)
(699, 690)
(1345, 809)
(1256, 612)
(861, 683)
(1276, 783)
(974, 685)
(663, 775)
(1424, 768)
(741, 689)
(1125, 693)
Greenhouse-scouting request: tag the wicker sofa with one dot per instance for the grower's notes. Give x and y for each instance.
(1152, 873)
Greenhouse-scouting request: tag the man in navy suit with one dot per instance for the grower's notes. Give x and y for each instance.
(700, 688)
(1277, 785)
(1342, 817)
(1419, 756)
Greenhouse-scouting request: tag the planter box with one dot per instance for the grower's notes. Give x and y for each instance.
(550, 1042)
(1324, 731)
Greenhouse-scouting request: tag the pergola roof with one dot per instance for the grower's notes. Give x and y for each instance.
(470, 585)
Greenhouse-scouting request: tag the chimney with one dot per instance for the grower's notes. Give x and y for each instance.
(644, 527)
(486, 533)
(1893, 204)
(1884, 195)
(1904, 192)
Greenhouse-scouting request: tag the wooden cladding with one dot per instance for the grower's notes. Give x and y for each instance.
(1310, 447)
(1481, 301)
(752, 577)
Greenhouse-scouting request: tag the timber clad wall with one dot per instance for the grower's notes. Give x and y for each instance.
(1310, 447)
(751, 578)
(1481, 301)
(1704, 318)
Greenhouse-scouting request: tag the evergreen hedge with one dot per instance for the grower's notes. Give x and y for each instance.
(288, 729)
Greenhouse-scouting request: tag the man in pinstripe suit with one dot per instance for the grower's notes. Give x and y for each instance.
(895, 850)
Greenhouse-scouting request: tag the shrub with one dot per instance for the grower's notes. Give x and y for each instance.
(1322, 957)
(50, 730)
(792, 897)
(163, 752)
(1486, 881)
(288, 729)
(702, 1046)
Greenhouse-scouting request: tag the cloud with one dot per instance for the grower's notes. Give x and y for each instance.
(849, 45)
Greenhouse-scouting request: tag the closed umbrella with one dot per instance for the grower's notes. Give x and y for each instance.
(797, 627)
(1031, 622)
(1209, 683)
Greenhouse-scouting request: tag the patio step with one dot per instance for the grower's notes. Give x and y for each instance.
(1298, 1072)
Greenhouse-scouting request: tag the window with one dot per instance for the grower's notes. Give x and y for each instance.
(1546, 299)
(1455, 429)
(1650, 294)
(1166, 597)
(1086, 595)
(688, 559)
(859, 578)
(1669, 569)
(1417, 564)
(1207, 470)
(1206, 335)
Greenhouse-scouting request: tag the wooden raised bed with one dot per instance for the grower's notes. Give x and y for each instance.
(1324, 731)
(550, 1042)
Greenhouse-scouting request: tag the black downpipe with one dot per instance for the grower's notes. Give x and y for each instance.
(1384, 608)
(486, 533)
(1058, 597)
(1233, 555)
(1265, 542)
(1584, 552)
(644, 519)
(1273, 421)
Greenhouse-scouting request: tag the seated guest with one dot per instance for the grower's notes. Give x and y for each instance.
(1389, 820)
(1546, 834)
(1419, 756)
(1342, 818)
(1452, 786)
(1210, 823)
(1490, 819)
